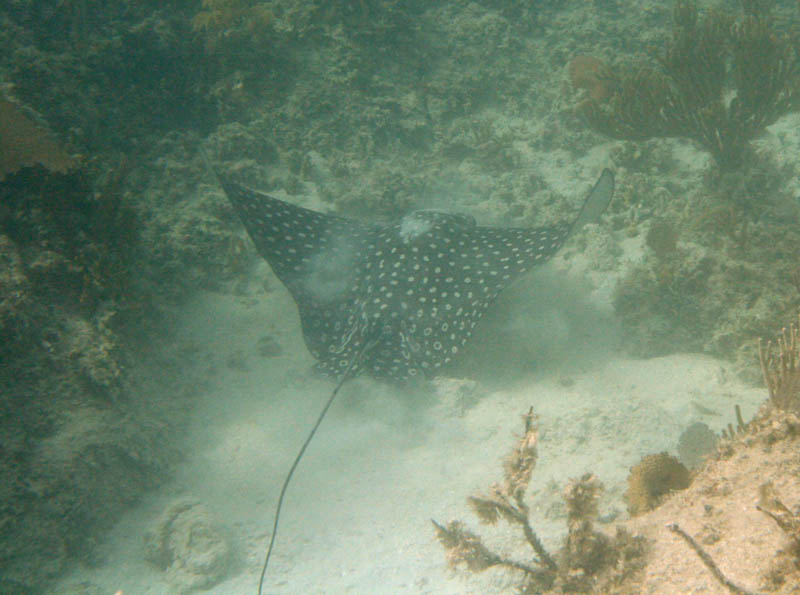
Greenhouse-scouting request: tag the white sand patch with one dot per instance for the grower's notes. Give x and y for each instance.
(386, 461)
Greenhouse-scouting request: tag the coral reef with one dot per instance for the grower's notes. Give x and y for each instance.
(116, 78)
(229, 27)
(651, 479)
(702, 283)
(77, 447)
(218, 17)
(723, 516)
(80, 227)
(741, 426)
(456, 103)
(754, 469)
(662, 238)
(690, 95)
(658, 292)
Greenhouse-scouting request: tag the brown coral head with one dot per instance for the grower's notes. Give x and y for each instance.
(593, 75)
(25, 142)
(651, 479)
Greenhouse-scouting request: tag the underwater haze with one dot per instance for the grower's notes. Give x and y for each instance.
(531, 266)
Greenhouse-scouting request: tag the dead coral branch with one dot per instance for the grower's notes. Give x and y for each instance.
(706, 558)
(588, 562)
(505, 501)
(464, 547)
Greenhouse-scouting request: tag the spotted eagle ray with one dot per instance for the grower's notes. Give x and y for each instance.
(396, 301)
(417, 287)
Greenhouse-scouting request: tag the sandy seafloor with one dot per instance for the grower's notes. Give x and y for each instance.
(387, 460)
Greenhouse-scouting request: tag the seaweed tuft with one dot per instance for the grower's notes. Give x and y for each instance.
(589, 560)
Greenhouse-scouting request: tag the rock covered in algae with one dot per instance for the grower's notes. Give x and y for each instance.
(190, 546)
(695, 444)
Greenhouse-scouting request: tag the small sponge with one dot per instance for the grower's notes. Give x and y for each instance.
(652, 478)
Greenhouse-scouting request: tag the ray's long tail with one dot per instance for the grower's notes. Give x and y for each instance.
(346, 376)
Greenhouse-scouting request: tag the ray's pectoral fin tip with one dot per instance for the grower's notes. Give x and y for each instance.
(597, 201)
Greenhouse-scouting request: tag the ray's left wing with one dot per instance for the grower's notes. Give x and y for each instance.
(317, 256)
